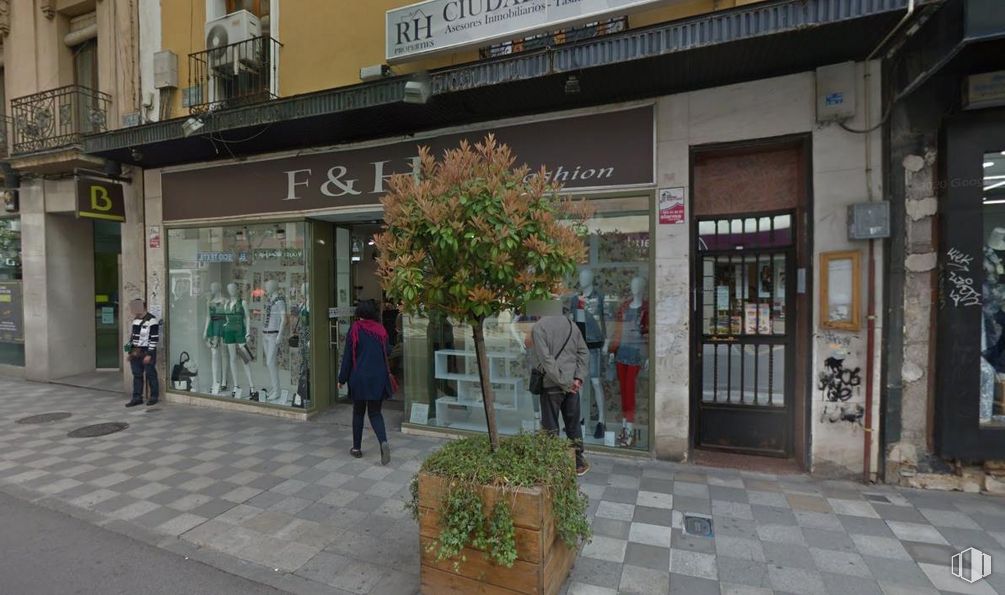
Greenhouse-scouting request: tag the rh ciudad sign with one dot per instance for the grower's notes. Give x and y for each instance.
(438, 25)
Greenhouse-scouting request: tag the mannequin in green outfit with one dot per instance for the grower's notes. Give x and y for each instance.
(215, 322)
(236, 330)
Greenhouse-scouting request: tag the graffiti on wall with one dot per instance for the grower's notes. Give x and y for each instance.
(961, 280)
(847, 412)
(837, 382)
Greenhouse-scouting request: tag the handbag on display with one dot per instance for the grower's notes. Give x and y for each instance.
(294, 341)
(181, 374)
(245, 353)
(303, 390)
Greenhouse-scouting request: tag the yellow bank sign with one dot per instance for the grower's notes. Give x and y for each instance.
(100, 199)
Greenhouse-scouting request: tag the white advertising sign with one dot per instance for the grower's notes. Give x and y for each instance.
(438, 25)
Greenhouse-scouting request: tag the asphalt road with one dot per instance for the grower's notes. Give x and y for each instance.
(45, 552)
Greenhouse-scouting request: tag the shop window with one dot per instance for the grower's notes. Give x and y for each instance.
(609, 302)
(236, 296)
(11, 304)
(992, 400)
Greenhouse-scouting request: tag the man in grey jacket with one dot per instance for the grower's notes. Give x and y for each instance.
(561, 353)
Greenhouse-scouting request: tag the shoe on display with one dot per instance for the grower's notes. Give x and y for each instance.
(600, 431)
(134, 403)
(254, 396)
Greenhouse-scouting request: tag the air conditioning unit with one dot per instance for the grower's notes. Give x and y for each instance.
(224, 32)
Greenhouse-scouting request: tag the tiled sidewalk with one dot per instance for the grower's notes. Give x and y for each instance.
(282, 503)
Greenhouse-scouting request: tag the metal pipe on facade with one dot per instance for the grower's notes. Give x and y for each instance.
(870, 340)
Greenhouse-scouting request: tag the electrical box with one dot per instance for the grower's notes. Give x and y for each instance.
(869, 220)
(836, 92)
(165, 70)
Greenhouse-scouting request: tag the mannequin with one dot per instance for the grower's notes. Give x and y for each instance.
(272, 329)
(216, 320)
(587, 309)
(236, 332)
(303, 331)
(628, 350)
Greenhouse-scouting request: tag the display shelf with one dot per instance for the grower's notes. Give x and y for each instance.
(513, 402)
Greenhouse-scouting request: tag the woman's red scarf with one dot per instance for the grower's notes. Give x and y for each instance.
(370, 327)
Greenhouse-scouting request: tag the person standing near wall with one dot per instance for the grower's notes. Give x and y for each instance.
(143, 353)
(560, 352)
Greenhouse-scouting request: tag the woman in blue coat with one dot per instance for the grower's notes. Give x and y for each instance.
(365, 370)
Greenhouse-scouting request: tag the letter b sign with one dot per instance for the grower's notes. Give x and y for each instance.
(100, 199)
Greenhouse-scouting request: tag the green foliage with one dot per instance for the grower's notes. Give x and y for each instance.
(471, 235)
(525, 460)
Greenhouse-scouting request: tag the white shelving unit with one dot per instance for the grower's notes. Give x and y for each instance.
(513, 404)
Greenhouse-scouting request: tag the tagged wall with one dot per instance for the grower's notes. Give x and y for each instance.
(748, 111)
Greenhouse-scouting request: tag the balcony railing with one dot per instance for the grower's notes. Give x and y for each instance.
(232, 75)
(57, 118)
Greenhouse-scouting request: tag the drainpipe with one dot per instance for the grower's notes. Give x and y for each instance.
(871, 284)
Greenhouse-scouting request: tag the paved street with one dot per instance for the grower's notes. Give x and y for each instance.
(46, 552)
(281, 503)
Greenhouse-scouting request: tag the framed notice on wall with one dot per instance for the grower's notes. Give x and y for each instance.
(11, 313)
(839, 291)
(671, 204)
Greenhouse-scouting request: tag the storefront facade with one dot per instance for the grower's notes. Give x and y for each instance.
(711, 278)
(291, 235)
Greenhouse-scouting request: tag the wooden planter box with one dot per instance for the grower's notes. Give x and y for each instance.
(543, 559)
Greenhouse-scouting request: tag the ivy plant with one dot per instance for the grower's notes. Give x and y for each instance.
(525, 460)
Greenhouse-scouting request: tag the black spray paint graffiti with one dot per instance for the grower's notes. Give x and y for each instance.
(837, 381)
(849, 412)
(961, 281)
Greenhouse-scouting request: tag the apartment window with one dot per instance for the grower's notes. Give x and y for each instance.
(85, 64)
(259, 8)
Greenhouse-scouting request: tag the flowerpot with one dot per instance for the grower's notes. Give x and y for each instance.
(543, 559)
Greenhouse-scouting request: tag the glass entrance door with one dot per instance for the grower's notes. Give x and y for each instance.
(744, 297)
(341, 315)
(107, 266)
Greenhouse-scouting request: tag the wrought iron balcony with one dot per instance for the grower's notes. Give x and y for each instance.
(237, 74)
(57, 118)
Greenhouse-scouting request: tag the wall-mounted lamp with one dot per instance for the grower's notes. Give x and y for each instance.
(191, 126)
(572, 85)
(417, 92)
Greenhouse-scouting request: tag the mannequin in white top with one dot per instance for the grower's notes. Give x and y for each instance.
(216, 319)
(588, 313)
(237, 330)
(272, 330)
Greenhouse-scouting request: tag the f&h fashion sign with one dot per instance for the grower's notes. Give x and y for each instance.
(438, 25)
(582, 152)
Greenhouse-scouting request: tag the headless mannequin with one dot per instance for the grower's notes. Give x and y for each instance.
(234, 301)
(272, 330)
(629, 354)
(590, 318)
(215, 321)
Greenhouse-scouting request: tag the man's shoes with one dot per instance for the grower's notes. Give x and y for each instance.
(151, 402)
(134, 403)
(600, 431)
(582, 467)
(385, 453)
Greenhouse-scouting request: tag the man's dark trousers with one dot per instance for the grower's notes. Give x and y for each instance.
(556, 402)
(150, 370)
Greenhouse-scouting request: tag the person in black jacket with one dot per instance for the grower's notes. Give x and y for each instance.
(143, 353)
(365, 370)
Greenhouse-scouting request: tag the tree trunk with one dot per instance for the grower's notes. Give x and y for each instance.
(488, 395)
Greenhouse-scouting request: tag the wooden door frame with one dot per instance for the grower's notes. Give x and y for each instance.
(803, 303)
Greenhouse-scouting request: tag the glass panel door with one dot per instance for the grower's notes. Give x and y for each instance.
(743, 298)
(107, 256)
(342, 313)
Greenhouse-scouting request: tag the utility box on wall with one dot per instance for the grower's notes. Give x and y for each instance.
(165, 70)
(836, 92)
(869, 220)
